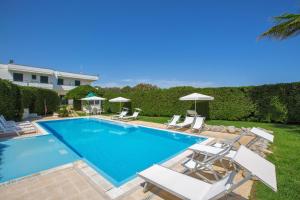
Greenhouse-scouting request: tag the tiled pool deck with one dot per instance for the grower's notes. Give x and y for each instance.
(80, 181)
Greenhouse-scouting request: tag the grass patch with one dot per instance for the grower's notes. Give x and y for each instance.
(285, 156)
(81, 113)
(160, 120)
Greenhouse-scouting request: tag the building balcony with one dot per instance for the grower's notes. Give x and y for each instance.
(35, 84)
(65, 87)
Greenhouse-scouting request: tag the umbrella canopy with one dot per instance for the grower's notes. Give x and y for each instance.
(90, 94)
(119, 99)
(92, 98)
(196, 97)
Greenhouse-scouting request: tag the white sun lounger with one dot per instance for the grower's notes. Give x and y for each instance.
(188, 121)
(211, 150)
(198, 123)
(13, 123)
(121, 115)
(214, 153)
(17, 130)
(173, 121)
(186, 187)
(132, 117)
(211, 155)
(229, 142)
(258, 133)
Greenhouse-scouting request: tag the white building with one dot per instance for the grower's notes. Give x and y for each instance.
(61, 82)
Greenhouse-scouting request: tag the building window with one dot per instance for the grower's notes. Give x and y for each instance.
(44, 79)
(18, 77)
(33, 77)
(60, 81)
(77, 83)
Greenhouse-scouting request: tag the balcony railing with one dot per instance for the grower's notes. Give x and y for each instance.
(46, 85)
(33, 84)
(65, 87)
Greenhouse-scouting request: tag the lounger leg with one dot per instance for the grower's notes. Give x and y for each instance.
(205, 157)
(221, 161)
(252, 142)
(203, 177)
(145, 189)
(194, 155)
(215, 175)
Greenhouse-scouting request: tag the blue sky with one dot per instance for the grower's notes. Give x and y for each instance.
(205, 43)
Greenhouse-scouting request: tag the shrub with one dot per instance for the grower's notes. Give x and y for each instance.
(63, 111)
(28, 98)
(230, 104)
(277, 102)
(36, 98)
(48, 98)
(267, 103)
(10, 100)
(80, 92)
(278, 111)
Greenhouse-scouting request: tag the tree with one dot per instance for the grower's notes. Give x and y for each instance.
(126, 89)
(145, 87)
(287, 25)
(80, 92)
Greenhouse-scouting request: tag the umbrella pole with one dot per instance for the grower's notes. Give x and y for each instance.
(195, 106)
(120, 106)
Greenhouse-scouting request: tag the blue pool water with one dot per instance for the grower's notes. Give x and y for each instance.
(22, 157)
(116, 150)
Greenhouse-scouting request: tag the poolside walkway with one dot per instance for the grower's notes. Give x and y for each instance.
(68, 182)
(64, 183)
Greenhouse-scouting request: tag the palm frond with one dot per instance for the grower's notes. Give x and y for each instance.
(287, 25)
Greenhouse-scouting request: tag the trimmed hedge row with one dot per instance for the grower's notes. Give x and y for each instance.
(229, 103)
(36, 98)
(10, 100)
(266, 103)
(14, 98)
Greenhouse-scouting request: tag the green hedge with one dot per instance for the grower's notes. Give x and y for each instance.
(36, 98)
(14, 98)
(10, 100)
(266, 103)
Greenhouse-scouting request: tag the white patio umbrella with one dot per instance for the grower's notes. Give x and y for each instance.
(119, 100)
(93, 98)
(196, 97)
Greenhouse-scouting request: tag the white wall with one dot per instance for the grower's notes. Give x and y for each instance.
(69, 83)
(4, 74)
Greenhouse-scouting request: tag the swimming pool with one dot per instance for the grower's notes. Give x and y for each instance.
(118, 151)
(26, 156)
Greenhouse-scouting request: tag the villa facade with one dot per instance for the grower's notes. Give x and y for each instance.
(59, 81)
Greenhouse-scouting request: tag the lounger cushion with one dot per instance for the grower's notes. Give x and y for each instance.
(181, 185)
(263, 134)
(198, 123)
(174, 120)
(257, 165)
(186, 122)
